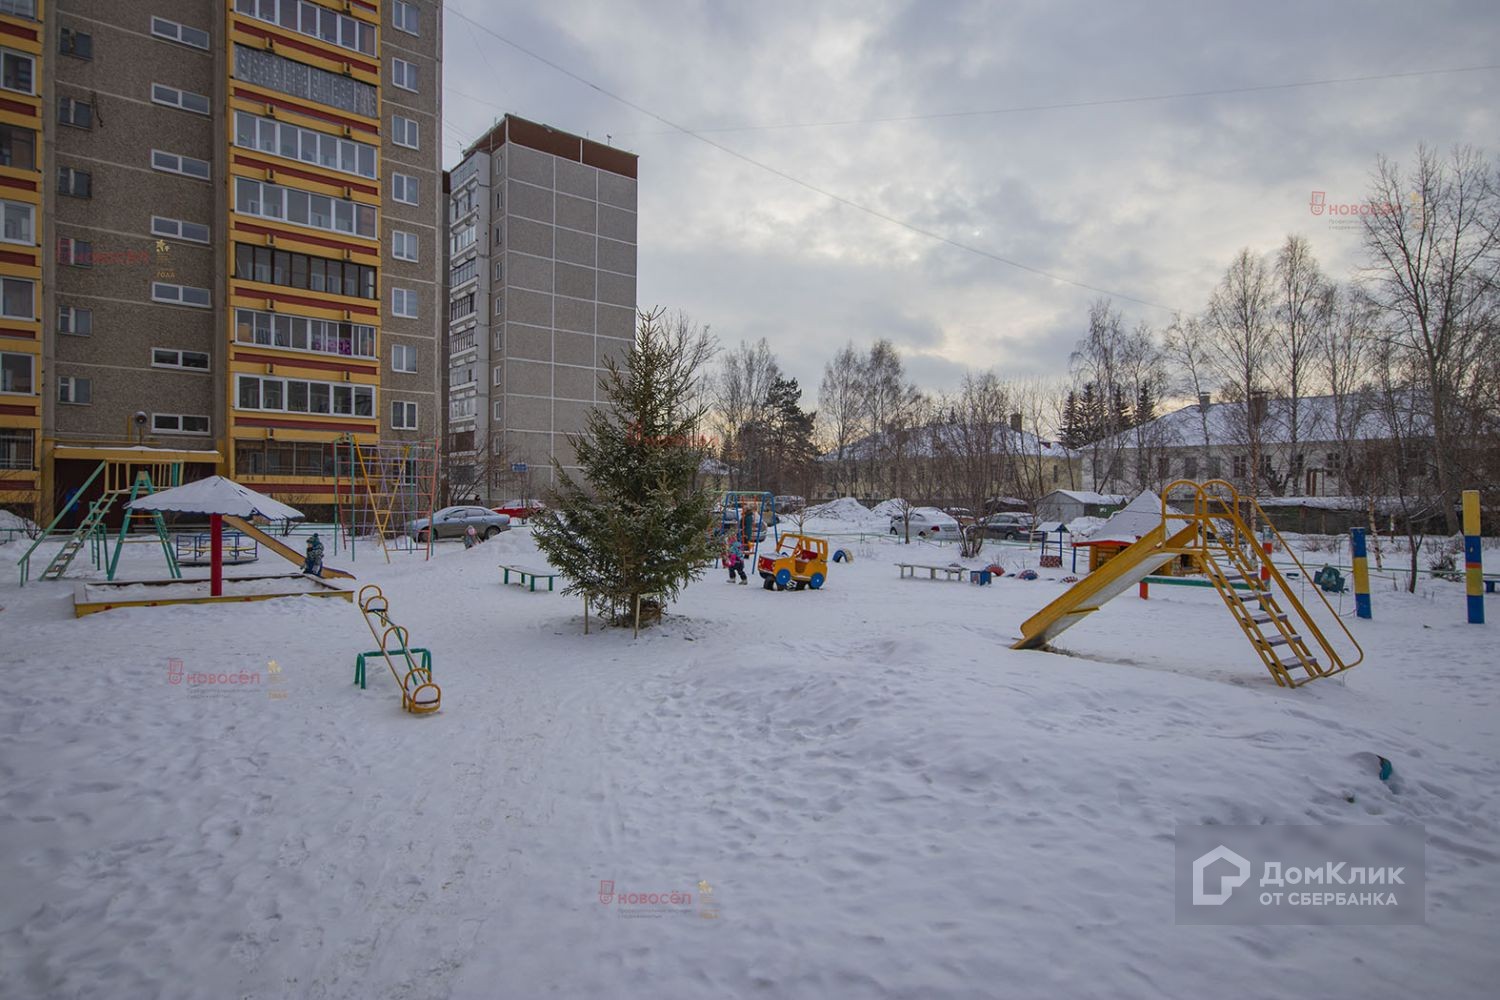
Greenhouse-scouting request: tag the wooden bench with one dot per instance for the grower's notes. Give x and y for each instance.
(528, 577)
(950, 572)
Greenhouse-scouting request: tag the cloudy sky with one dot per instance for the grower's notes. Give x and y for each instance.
(1146, 199)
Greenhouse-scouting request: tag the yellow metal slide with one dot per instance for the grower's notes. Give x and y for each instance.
(1118, 575)
(281, 548)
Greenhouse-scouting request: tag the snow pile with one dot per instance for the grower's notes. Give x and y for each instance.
(10, 521)
(894, 507)
(1081, 527)
(842, 509)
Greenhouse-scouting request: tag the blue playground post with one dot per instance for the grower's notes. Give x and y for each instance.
(1361, 573)
(1473, 558)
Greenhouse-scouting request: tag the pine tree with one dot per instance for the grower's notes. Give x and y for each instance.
(638, 527)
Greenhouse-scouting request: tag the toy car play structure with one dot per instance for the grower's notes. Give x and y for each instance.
(799, 561)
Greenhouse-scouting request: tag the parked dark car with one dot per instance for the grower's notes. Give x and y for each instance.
(1010, 527)
(453, 522)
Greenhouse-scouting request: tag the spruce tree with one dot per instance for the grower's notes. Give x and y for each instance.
(638, 526)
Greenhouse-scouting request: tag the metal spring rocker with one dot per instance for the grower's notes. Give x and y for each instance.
(419, 695)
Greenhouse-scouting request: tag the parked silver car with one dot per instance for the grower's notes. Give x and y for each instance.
(927, 522)
(453, 522)
(1009, 526)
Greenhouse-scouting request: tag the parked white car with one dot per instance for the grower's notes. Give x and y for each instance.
(927, 522)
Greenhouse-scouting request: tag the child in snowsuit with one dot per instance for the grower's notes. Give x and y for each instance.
(314, 561)
(470, 537)
(734, 560)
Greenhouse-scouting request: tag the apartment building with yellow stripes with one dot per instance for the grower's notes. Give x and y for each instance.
(224, 237)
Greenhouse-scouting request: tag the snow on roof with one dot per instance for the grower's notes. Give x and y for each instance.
(216, 495)
(926, 442)
(1319, 418)
(1087, 497)
(1139, 517)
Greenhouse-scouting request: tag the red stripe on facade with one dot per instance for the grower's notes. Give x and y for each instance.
(7, 28)
(297, 488)
(367, 6)
(24, 259)
(300, 361)
(20, 107)
(10, 331)
(321, 241)
(18, 182)
(332, 55)
(303, 300)
(24, 411)
(307, 175)
(305, 425)
(302, 109)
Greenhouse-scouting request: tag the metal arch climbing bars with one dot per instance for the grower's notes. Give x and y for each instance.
(419, 695)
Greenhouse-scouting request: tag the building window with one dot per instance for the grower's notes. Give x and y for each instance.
(18, 72)
(179, 423)
(461, 307)
(462, 375)
(75, 183)
(79, 114)
(404, 74)
(75, 43)
(404, 16)
(19, 8)
(463, 238)
(16, 373)
(75, 321)
(20, 222)
(404, 188)
(173, 32)
(404, 132)
(1239, 466)
(303, 208)
(72, 389)
(174, 98)
(17, 147)
(1215, 467)
(1163, 467)
(192, 232)
(403, 245)
(403, 358)
(467, 271)
(301, 333)
(403, 416)
(181, 295)
(1190, 467)
(289, 395)
(305, 144)
(17, 448)
(312, 20)
(17, 298)
(163, 357)
(172, 163)
(296, 79)
(75, 253)
(404, 302)
(297, 270)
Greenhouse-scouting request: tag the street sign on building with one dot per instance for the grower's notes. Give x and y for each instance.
(518, 467)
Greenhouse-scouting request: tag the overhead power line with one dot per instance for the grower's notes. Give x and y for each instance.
(876, 213)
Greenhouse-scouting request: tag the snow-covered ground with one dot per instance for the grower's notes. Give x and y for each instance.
(855, 792)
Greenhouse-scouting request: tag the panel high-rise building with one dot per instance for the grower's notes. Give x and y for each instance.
(223, 237)
(541, 289)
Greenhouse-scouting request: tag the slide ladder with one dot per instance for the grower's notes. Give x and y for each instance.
(88, 529)
(1291, 643)
(281, 548)
(419, 695)
(1289, 640)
